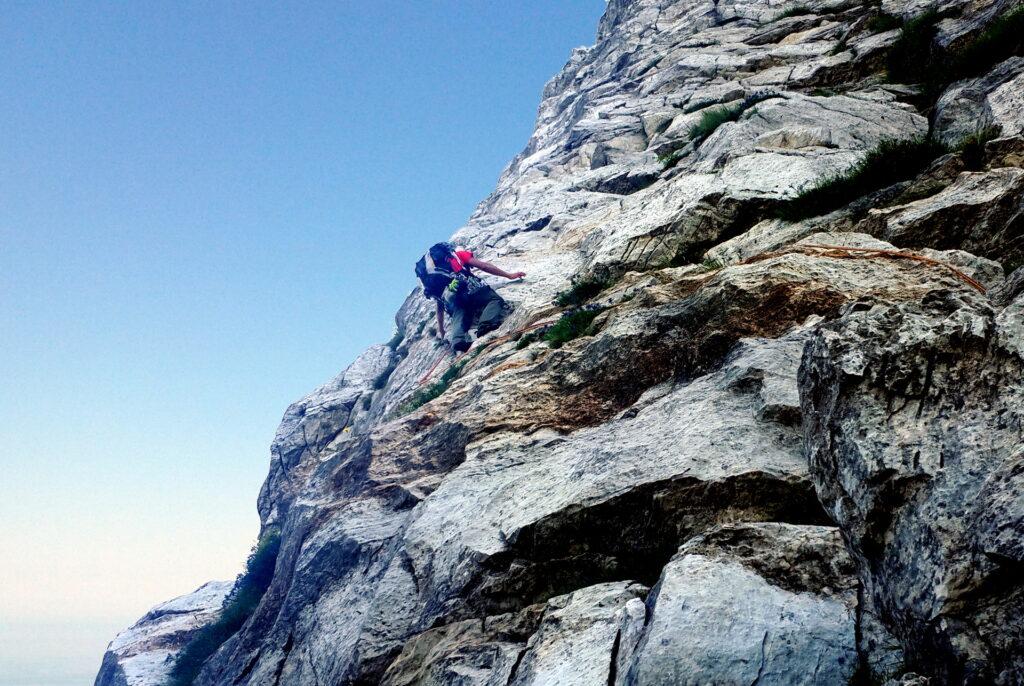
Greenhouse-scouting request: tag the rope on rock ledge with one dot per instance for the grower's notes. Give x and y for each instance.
(837, 251)
(841, 251)
(500, 339)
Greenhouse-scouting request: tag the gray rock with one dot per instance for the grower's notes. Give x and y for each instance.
(310, 425)
(979, 212)
(752, 603)
(992, 100)
(913, 426)
(581, 635)
(484, 653)
(143, 654)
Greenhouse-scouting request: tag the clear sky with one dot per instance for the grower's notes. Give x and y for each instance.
(206, 210)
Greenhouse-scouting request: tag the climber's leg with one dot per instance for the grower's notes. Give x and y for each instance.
(492, 311)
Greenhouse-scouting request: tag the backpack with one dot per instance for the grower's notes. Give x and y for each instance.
(434, 270)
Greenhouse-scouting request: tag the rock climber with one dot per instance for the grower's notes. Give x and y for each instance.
(447, 277)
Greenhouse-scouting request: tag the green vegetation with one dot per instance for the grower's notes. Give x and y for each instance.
(710, 119)
(1002, 38)
(882, 22)
(238, 607)
(671, 158)
(572, 325)
(841, 46)
(525, 340)
(972, 148)
(713, 117)
(434, 390)
(915, 57)
(796, 11)
(889, 162)
(710, 264)
(582, 290)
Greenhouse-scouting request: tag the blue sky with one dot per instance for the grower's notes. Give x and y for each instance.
(206, 210)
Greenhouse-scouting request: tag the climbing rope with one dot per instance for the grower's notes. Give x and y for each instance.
(476, 353)
(837, 251)
(840, 251)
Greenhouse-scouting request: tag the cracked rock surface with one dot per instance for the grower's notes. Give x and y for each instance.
(784, 452)
(913, 427)
(751, 603)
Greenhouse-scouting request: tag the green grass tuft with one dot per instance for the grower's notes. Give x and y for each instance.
(527, 338)
(713, 117)
(972, 148)
(882, 22)
(796, 11)
(1010, 266)
(710, 264)
(572, 325)
(1002, 38)
(436, 389)
(889, 162)
(238, 607)
(916, 58)
(913, 56)
(671, 157)
(582, 290)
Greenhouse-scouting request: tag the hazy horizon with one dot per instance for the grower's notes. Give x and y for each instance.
(205, 212)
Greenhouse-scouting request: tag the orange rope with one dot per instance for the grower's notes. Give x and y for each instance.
(496, 341)
(841, 251)
(430, 371)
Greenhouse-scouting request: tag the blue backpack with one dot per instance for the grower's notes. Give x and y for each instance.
(434, 269)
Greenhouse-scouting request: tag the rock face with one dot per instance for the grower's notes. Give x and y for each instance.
(914, 421)
(144, 653)
(784, 451)
(752, 603)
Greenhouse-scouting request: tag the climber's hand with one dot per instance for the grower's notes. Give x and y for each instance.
(517, 275)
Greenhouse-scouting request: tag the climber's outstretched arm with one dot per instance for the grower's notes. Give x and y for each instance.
(491, 269)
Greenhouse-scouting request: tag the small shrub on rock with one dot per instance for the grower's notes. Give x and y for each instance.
(572, 325)
(913, 58)
(713, 117)
(889, 162)
(582, 290)
(972, 148)
(436, 389)
(882, 22)
(796, 11)
(917, 58)
(238, 607)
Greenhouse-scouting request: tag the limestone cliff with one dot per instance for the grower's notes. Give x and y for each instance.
(786, 450)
